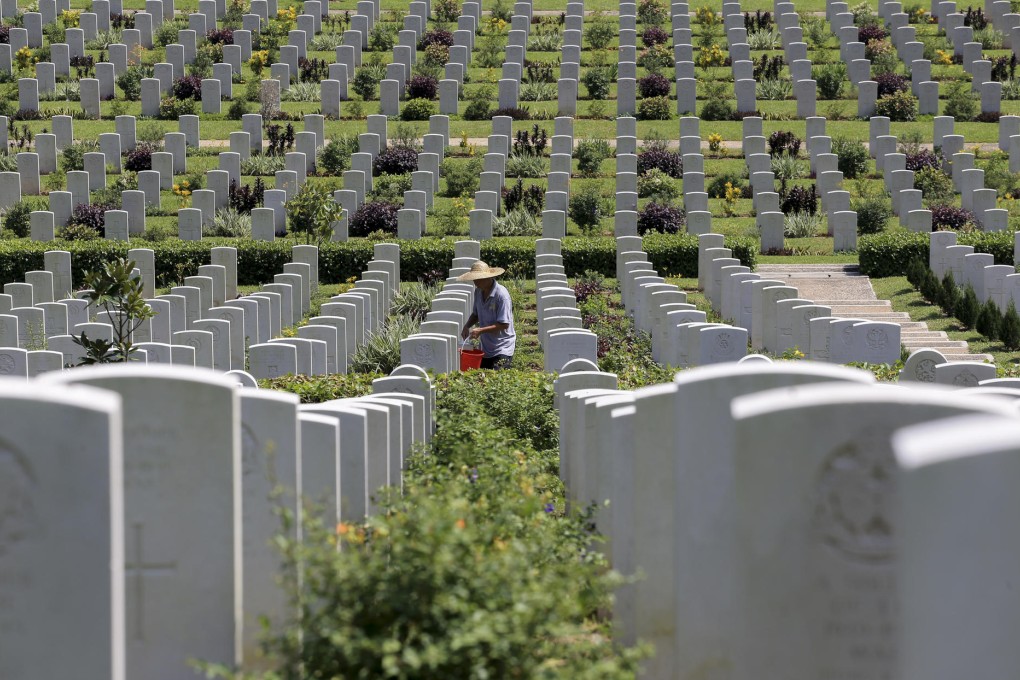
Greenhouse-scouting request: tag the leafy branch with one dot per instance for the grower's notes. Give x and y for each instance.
(116, 292)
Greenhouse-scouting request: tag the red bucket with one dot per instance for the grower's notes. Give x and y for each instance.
(471, 358)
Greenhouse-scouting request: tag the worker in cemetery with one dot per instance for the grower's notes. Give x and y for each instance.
(492, 321)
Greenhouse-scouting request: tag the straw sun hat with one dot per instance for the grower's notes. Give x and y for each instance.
(480, 270)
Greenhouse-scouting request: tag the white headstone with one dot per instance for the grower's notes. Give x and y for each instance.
(181, 469)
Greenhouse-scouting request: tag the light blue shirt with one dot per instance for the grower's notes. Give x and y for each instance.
(495, 309)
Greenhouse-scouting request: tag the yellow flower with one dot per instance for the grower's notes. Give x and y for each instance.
(177, 187)
(71, 17)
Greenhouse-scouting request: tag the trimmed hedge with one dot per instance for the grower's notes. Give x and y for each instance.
(258, 261)
(884, 255)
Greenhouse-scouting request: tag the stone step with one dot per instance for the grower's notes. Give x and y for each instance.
(892, 317)
(855, 303)
(988, 358)
(801, 268)
(941, 346)
(850, 295)
(815, 276)
(857, 310)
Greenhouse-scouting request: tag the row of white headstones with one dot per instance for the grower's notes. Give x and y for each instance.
(797, 520)
(151, 545)
(204, 322)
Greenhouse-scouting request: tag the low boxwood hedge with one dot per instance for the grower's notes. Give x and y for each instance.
(884, 255)
(258, 261)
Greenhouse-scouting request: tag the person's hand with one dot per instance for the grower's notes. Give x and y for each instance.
(475, 333)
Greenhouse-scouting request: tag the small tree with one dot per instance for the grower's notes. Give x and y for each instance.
(989, 320)
(115, 292)
(930, 287)
(312, 212)
(915, 272)
(950, 294)
(1009, 333)
(969, 308)
(587, 209)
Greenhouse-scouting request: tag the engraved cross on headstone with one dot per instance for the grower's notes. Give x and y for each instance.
(137, 571)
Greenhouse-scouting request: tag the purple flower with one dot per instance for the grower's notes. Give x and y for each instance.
(549, 508)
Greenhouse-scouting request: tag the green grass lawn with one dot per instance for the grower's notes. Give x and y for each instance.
(594, 119)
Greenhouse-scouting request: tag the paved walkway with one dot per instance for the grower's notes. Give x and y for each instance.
(850, 295)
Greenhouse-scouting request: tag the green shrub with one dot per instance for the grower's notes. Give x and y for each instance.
(417, 109)
(312, 212)
(657, 185)
(381, 354)
(774, 89)
(872, 215)
(17, 219)
(998, 176)
(590, 153)
(469, 566)
(717, 187)
(365, 83)
(960, 103)
(1009, 332)
(899, 107)
(171, 108)
(130, 81)
(929, 286)
(414, 301)
(890, 254)
(655, 108)
(73, 156)
(915, 272)
(237, 109)
(229, 223)
(587, 208)
(517, 222)
(480, 106)
(462, 178)
(501, 11)
(525, 165)
(950, 297)
(852, 156)
(600, 33)
(936, 186)
(652, 12)
(381, 39)
(989, 321)
(802, 225)
(596, 80)
(77, 232)
(258, 261)
(989, 38)
(969, 308)
(830, 79)
(335, 157)
(717, 105)
(786, 167)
